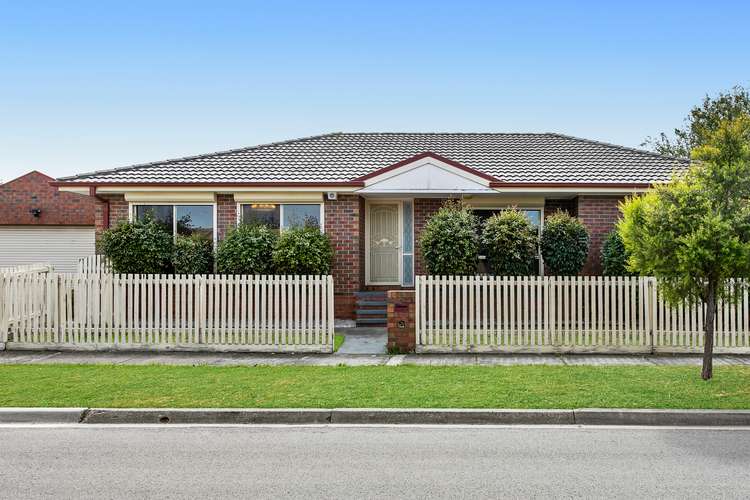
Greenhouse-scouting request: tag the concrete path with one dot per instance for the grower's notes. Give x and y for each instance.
(372, 462)
(363, 340)
(241, 359)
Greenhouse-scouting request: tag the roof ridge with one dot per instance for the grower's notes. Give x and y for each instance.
(446, 133)
(137, 166)
(618, 146)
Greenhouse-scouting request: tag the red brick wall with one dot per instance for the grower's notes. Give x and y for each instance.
(423, 209)
(401, 321)
(599, 214)
(19, 196)
(552, 206)
(344, 224)
(226, 214)
(118, 211)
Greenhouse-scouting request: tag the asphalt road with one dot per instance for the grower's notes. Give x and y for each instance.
(340, 462)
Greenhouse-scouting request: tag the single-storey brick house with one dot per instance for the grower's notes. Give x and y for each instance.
(39, 224)
(372, 192)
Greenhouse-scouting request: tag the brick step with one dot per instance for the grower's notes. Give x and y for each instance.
(372, 312)
(371, 321)
(371, 295)
(372, 303)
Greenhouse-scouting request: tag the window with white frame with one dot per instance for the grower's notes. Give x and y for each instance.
(283, 215)
(185, 220)
(535, 217)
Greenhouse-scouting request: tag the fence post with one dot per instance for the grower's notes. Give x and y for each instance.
(5, 304)
(651, 313)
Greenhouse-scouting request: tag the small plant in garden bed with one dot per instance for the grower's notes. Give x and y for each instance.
(138, 247)
(511, 243)
(193, 255)
(303, 250)
(565, 244)
(614, 256)
(449, 241)
(247, 249)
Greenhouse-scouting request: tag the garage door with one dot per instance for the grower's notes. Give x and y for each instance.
(60, 246)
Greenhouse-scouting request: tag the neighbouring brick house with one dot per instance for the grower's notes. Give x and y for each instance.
(38, 223)
(373, 192)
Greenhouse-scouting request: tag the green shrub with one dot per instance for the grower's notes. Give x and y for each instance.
(303, 250)
(565, 244)
(449, 241)
(511, 244)
(139, 247)
(247, 249)
(193, 255)
(614, 256)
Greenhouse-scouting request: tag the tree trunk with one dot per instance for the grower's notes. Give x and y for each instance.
(708, 350)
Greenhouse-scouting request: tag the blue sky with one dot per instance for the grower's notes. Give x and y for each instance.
(87, 86)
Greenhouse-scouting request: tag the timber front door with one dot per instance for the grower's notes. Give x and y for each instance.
(384, 243)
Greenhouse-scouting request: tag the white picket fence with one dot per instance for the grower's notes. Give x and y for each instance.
(94, 264)
(153, 312)
(27, 268)
(567, 314)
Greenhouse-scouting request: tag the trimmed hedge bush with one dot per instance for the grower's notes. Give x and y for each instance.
(138, 247)
(303, 250)
(449, 241)
(614, 256)
(193, 255)
(247, 249)
(511, 244)
(565, 244)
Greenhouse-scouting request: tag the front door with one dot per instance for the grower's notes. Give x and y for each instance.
(385, 243)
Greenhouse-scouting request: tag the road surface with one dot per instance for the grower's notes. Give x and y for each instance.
(372, 462)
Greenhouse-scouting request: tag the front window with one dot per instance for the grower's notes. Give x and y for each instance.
(195, 220)
(534, 215)
(184, 220)
(282, 215)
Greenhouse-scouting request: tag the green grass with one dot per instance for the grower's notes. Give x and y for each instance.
(373, 386)
(338, 341)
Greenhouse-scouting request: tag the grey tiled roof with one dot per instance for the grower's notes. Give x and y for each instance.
(516, 158)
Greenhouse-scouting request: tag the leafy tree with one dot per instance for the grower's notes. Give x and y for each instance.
(449, 242)
(564, 244)
(702, 122)
(303, 250)
(614, 256)
(193, 255)
(693, 234)
(247, 249)
(511, 243)
(138, 247)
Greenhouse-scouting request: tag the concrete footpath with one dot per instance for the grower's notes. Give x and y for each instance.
(375, 416)
(352, 359)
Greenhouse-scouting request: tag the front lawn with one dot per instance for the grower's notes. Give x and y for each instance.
(373, 386)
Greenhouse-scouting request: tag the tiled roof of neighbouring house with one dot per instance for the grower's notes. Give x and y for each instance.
(340, 157)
